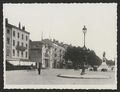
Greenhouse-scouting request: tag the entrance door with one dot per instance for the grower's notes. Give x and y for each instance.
(46, 63)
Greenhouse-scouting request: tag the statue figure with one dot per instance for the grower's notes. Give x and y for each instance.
(104, 59)
(103, 54)
(103, 67)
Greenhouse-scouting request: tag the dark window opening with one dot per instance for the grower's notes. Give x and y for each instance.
(18, 43)
(26, 38)
(8, 40)
(22, 36)
(8, 31)
(22, 43)
(14, 33)
(8, 52)
(55, 55)
(13, 52)
(26, 54)
(22, 53)
(13, 42)
(26, 45)
(18, 53)
(18, 35)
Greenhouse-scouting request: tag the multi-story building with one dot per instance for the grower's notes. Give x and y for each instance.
(52, 54)
(17, 42)
(40, 51)
(35, 51)
(47, 52)
(58, 56)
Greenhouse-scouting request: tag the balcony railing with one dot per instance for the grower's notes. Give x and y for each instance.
(21, 48)
(46, 55)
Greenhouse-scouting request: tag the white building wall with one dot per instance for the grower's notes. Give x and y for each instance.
(51, 57)
(43, 52)
(20, 43)
(58, 59)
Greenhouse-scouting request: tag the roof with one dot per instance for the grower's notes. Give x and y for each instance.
(36, 45)
(34, 42)
(10, 25)
(47, 41)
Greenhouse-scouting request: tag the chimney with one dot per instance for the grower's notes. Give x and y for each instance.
(6, 20)
(23, 28)
(19, 25)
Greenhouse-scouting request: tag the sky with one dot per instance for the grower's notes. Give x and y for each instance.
(64, 22)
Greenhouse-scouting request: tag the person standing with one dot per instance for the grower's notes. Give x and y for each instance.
(39, 67)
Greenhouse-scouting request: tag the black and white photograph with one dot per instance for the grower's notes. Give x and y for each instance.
(60, 45)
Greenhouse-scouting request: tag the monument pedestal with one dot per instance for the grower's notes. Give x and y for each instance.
(103, 66)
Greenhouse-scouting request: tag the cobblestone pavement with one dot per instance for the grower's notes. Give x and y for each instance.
(49, 76)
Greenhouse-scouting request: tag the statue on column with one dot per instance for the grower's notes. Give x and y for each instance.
(103, 67)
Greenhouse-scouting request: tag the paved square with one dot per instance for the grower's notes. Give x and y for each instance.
(49, 77)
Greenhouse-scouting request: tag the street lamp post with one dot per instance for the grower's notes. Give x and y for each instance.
(83, 64)
(84, 32)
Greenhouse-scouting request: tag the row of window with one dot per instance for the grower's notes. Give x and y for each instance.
(18, 43)
(18, 35)
(8, 42)
(18, 53)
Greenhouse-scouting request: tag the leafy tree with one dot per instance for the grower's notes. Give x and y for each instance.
(78, 56)
(110, 62)
(72, 54)
(93, 59)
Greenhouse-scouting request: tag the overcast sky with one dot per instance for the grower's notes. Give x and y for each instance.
(64, 22)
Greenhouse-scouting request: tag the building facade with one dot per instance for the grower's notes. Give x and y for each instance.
(52, 54)
(40, 52)
(17, 42)
(47, 52)
(58, 53)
